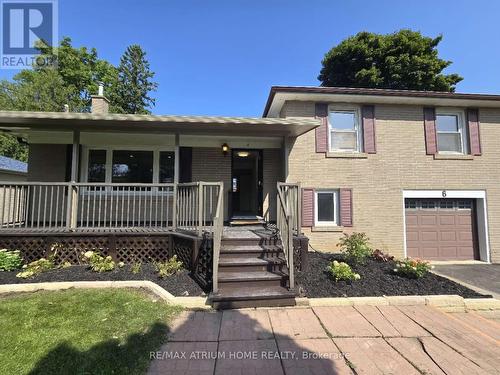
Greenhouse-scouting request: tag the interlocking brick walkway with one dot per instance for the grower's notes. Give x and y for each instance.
(331, 340)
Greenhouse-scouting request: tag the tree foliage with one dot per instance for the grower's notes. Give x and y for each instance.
(72, 80)
(404, 60)
(135, 81)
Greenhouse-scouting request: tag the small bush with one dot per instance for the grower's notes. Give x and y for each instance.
(10, 260)
(342, 271)
(37, 267)
(168, 268)
(356, 247)
(98, 263)
(136, 268)
(66, 264)
(379, 256)
(412, 268)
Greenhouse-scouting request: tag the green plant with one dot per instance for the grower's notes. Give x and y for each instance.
(168, 268)
(412, 268)
(10, 260)
(342, 271)
(37, 267)
(66, 264)
(98, 263)
(356, 247)
(136, 268)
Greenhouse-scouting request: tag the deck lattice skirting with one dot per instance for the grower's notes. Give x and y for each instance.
(192, 250)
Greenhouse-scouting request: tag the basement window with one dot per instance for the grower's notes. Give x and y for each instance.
(326, 208)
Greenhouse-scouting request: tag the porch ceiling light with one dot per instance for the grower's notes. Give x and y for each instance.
(243, 154)
(225, 149)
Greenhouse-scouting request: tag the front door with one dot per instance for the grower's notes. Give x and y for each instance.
(246, 182)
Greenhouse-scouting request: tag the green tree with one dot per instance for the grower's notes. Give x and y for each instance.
(404, 60)
(11, 147)
(135, 81)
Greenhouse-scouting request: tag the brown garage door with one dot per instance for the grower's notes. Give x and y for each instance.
(440, 229)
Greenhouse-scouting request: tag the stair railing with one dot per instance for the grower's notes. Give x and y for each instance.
(288, 222)
(217, 229)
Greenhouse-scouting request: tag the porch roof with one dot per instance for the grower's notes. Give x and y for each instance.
(23, 122)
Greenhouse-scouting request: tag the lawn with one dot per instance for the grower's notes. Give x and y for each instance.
(81, 331)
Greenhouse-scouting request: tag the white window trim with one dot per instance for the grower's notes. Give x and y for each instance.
(461, 129)
(357, 126)
(334, 223)
(109, 159)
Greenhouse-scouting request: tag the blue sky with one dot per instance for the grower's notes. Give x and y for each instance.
(221, 57)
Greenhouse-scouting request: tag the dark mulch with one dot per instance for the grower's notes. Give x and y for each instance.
(180, 284)
(377, 279)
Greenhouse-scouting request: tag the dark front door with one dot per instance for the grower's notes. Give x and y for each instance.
(246, 182)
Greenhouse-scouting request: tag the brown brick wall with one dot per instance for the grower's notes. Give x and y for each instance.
(400, 163)
(209, 164)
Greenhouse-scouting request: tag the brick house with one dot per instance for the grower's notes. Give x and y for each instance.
(417, 171)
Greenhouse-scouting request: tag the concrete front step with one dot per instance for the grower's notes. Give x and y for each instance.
(253, 297)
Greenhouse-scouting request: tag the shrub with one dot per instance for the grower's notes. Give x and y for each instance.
(37, 267)
(356, 247)
(136, 268)
(412, 268)
(66, 264)
(379, 256)
(168, 268)
(342, 271)
(10, 260)
(98, 263)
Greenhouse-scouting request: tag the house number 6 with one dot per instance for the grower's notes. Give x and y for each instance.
(444, 193)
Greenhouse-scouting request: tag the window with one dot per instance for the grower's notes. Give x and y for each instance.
(97, 166)
(132, 167)
(450, 132)
(128, 166)
(326, 207)
(428, 204)
(410, 203)
(166, 167)
(344, 130)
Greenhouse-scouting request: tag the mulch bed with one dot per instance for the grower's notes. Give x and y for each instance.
(180, 284)
(377, 279)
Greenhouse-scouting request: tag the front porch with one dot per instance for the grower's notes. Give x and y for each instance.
(153, 222)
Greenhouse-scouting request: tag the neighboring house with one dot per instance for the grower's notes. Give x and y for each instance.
(417, 171)
(12, 169)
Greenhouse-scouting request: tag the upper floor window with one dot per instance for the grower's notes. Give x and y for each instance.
(450, 132)
(344, 130)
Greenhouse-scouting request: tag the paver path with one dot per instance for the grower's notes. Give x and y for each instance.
(330, 340)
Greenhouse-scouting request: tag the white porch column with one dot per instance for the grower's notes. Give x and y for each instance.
(285, 157)
(176, 160)
(75, 157)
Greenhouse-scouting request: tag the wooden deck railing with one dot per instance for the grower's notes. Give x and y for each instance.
(289, 222)
(72, 206)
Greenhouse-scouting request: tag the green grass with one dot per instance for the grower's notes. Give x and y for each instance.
(81, 331)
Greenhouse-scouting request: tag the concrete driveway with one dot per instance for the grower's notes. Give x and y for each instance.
(330, 340)
(486, 277)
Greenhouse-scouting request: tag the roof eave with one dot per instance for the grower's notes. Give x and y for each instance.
(279, 94)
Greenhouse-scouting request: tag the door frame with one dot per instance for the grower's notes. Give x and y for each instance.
(481, 214)
(260, 179)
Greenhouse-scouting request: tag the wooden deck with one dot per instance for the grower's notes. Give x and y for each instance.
(82, 231)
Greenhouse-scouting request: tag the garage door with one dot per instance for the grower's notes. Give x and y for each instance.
(440, 229)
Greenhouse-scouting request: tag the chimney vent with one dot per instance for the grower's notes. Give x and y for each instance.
(100, 104)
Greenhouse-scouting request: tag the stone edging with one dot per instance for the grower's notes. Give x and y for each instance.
(195, 303)
(450, 303)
